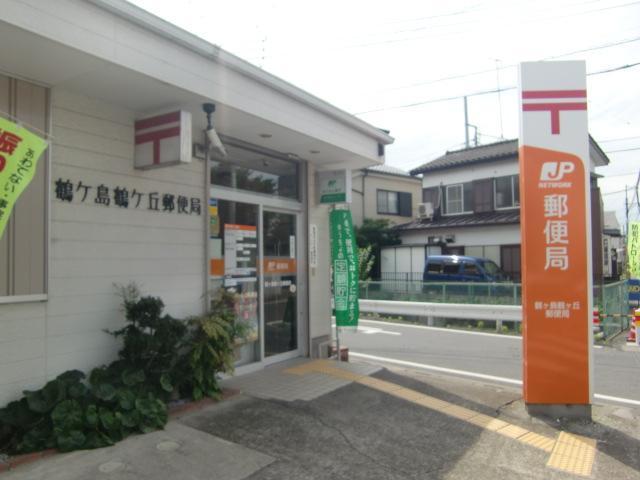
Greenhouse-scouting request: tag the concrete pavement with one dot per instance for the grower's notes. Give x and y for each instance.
(362, 422)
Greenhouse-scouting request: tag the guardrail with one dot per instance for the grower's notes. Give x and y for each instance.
(498, 313)
(445, 292)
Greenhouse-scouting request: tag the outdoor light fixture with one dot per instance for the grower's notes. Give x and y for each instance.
(214, 143)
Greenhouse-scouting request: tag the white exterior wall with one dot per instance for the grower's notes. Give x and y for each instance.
(365, 200)
(470, 172)
(92, 247)
(468, 236)
(319, 278)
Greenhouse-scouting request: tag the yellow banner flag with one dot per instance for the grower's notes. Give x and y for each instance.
(19, 153)
(633, 249)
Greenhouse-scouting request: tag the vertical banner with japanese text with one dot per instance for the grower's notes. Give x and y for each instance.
(344, 261)
(555, 227)
(633, 249)
(19, 153)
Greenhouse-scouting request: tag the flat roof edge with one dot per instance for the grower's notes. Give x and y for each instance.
(188, 40)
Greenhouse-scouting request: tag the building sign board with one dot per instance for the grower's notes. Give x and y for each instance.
(344, 260)
(313, 245)
(163, 140)
(555, 227)
(334, 186)
(20, 151)
(121, 196)
(633, 249)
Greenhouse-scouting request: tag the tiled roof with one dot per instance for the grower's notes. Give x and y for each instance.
(506, 149)
(468, 220)
(481, 153)
(388, 169)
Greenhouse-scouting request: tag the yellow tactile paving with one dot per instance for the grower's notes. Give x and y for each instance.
(570, 453)
(431, 402)
(512, 431)
(406, 394)
(538, 441)
(487, 422)
(458, 412)
(573, 454)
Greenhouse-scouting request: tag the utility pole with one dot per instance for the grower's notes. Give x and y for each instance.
(466, 124)
(626, 212)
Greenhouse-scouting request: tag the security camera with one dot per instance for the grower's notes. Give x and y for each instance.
(215, 144)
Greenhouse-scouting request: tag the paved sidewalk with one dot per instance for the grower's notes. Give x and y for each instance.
(326, 420)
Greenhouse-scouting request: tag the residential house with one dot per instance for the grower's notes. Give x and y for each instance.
(471, 207)
(384, 192)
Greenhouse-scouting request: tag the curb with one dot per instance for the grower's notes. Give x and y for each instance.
(175, 412)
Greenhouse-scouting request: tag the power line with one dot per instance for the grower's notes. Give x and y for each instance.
(514, 65)
(482, 92)
(534, 20)
(612, 193)
(617, 139)
(623, 150)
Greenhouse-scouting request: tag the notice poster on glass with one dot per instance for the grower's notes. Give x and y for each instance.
(240, 254)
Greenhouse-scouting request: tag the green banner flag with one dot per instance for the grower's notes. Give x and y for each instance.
(633, 249)
(19, 153)
(344, 260)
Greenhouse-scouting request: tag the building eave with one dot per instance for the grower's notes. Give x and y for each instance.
(157, 25)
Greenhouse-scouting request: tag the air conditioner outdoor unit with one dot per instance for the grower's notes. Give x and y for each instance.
(434, 240)
(450, 238)
(425, 210)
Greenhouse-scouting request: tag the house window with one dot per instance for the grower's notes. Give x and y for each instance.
(507, 192)
(510, 261)
(458, 198)
(23, 244)
(394, 203)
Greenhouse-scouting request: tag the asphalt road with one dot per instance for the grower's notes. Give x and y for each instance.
(617, 372)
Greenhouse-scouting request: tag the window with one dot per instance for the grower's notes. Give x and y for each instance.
(434, 267)
(470, 269)
(483, 195)
(458, 198)
(23, 245)
(451, 268)
(507, 192)
(252, 169)
(394, 203)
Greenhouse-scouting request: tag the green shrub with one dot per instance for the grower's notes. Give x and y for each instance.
(161, 357)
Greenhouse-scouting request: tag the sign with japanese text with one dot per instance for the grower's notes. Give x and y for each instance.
(555, 227)
(20, 151)
(633, 249)
(334, 186)
(344, 260)
(126, 198)
(163, 140)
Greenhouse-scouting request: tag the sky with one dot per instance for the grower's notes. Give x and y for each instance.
(405, 66)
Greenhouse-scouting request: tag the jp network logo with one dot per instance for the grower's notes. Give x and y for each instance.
(552, 174)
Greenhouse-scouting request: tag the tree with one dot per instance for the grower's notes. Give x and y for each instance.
(376, 234)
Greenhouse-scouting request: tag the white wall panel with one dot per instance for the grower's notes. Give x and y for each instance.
(92, 247)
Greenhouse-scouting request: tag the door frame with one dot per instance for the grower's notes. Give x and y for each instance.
(279, 205)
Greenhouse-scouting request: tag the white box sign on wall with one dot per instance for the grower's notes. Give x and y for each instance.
(334, 186)
(163, 140)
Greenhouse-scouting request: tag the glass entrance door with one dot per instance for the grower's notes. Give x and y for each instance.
(280, 276)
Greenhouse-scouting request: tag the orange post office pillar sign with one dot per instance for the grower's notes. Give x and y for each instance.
(556, 241)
